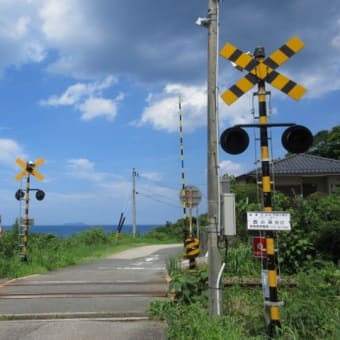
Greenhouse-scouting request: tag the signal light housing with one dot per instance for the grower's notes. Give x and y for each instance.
(234, 140)
(297, 139)
(39, 195)
(19, 195)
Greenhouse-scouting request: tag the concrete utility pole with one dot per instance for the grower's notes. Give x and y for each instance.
(214, 259)
(134, 228)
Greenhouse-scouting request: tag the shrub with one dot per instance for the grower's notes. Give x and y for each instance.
(295, 251)
(187, 286)
(93, 236)
(327, 241)
(172, 231)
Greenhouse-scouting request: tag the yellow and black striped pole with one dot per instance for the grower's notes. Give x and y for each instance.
(181, 146)
(191, 244)
(269, 266)
(26, 219)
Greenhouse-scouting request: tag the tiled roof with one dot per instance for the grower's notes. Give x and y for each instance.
(304, 164)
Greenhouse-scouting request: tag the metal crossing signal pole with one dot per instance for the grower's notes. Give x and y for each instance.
(295, 139)
(26, 219)
(271, 301)
(29, 168)
(134, 224)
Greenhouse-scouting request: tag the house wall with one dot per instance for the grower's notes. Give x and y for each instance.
(333, 184)
(297, 185)
(289, 185)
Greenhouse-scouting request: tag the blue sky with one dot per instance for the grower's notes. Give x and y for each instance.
(93, 87)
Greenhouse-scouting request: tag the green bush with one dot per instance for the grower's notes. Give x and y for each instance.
(296, 251)
(172, 231)
(8, 245)
(187, 286)
(93, 236)
(327, 242)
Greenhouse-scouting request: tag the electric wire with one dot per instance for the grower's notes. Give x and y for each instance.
(151, 197)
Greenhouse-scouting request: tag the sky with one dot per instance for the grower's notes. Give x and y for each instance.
(92, 86)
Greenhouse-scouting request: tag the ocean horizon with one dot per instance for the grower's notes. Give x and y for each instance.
(69, 229)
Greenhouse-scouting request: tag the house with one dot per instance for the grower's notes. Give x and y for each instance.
(300, 174)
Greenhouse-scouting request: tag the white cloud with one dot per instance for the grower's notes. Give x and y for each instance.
(56, 15)
(9, 151)
(162, 111)
(82, 164)
(21, 40)
(71, 96)
(20, 27)
(76, 92)
(151, 176)
(96, 107)
(83, 168)
(230, 168)
(66, 21)
(88, 99)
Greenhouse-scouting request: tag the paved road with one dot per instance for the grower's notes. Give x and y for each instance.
(94, 295)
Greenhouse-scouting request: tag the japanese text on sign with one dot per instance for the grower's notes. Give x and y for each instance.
(262, 220)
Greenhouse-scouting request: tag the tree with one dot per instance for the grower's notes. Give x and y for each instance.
(327, 143)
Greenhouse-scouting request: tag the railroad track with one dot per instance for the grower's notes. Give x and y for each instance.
(80, 295)
(33, 289)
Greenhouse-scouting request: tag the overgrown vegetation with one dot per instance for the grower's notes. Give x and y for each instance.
(310, 311)
(47, 251)
(308, 255)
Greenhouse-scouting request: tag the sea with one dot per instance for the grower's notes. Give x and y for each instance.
(67, 230)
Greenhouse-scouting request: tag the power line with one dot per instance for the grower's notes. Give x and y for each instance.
(158, 200)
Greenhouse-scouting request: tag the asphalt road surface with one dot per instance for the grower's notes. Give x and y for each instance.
(103, 299)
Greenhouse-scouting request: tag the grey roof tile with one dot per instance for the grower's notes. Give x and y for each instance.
(304, 164)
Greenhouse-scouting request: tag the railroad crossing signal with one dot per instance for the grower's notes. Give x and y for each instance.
(295, 139)
(29, 169)
(262, 70)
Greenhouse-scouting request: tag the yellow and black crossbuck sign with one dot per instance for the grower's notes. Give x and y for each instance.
(29, 169)
(262, 70)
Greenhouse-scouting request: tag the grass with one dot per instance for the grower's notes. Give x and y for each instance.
(48, 252)
(311, 309)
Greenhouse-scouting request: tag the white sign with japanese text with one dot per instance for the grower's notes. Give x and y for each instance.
(273, 220)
